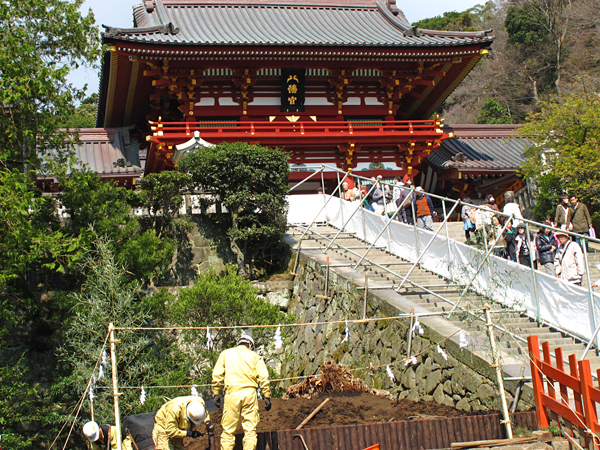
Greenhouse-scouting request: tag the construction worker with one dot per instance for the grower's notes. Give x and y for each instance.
(104, 436)
(175, 420)
(240, 372)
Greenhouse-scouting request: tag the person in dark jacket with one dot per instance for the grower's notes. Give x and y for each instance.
(511, 246)
(579, 220)
(545, 243)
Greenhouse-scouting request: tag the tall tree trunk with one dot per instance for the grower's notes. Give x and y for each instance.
(536, 96)
(235, 248)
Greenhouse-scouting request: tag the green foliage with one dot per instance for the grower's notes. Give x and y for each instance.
(84, 115)
(97, 208)
(26, 415)
(549, 191)
(25, 238)
(554, 429)
(449, 21)
(494, 112)
(251, 182)
(564, 155)
(39, 41)
(162, 195)
(106, 297)
(524, 26)
(219, 300)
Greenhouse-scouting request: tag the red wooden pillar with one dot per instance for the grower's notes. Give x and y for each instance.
(538, 382)
(586, 382)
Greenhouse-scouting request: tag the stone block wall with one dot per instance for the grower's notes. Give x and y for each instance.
(463, 380)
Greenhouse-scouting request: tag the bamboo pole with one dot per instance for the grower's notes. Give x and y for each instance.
(312, 414)
(493, 442)
(496, 365)
(113, 359)
(410, 332)
(366, 293)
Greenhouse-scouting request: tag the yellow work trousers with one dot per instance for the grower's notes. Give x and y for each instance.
(162, 441)
(240, 405)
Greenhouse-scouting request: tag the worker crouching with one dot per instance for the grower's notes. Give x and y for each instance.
(175, 420)
(103, 436)
(240, 372)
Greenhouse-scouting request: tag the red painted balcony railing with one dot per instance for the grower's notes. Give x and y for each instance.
(431, 129)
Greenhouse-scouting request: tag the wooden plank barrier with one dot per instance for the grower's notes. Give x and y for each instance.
(585, 395)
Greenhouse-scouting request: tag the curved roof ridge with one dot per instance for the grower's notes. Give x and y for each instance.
(482, 33)
(140, 16)
(394, 20)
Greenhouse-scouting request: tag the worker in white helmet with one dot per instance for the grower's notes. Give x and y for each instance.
(176, 419)
(104, 436)
(240, 372)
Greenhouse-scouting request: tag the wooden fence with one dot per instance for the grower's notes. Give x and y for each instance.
(552, 385)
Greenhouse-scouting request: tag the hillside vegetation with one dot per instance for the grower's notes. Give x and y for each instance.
(542, 49)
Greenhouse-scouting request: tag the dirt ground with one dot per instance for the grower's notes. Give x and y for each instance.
(343, 408)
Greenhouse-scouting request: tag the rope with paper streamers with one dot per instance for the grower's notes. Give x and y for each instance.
(369, 368)
(82, 398)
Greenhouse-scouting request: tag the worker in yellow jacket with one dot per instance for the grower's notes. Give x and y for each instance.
(175, 420)
(104, 436)
(240, 372)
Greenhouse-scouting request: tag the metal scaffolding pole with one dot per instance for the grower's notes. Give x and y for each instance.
(446, 218)
(324, 207)
(337, 174)
(346, 223)
(487, 255)
(535, 280)
(590, 291)
(306, 179)
(389, 222)
(425, 249)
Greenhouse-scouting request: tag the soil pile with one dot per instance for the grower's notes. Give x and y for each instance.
(343, 408)
(351, 403)
(332, 377)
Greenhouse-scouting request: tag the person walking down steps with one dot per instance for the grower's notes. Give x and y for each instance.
(240, 372)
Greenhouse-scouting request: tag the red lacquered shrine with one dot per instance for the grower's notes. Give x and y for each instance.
(346, 83)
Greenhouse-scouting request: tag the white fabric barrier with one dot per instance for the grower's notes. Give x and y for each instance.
(561, 304)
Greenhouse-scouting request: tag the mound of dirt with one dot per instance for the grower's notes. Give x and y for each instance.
(332, 377)
(343, 408)
(351, 403)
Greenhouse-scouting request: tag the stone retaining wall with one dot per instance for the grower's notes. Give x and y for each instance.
(464, 380)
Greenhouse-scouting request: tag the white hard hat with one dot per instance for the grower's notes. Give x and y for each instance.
(196, 412)
(245, 339)
(91, 430)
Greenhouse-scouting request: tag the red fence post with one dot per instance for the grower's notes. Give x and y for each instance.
(586, 382)
(538, 381)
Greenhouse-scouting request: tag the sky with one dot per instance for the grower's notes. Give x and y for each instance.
(119, 13)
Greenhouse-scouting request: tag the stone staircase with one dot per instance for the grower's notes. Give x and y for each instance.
(427, 292)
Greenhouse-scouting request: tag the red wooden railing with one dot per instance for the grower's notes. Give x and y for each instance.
(417, 127)
(552, 400)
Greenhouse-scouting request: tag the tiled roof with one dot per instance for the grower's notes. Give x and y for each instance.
(481, 147)
(108, 151)
(282, 23)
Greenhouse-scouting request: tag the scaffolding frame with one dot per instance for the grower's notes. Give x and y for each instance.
(420, 253)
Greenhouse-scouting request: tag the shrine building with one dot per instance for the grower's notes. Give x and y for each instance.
(345, 83)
